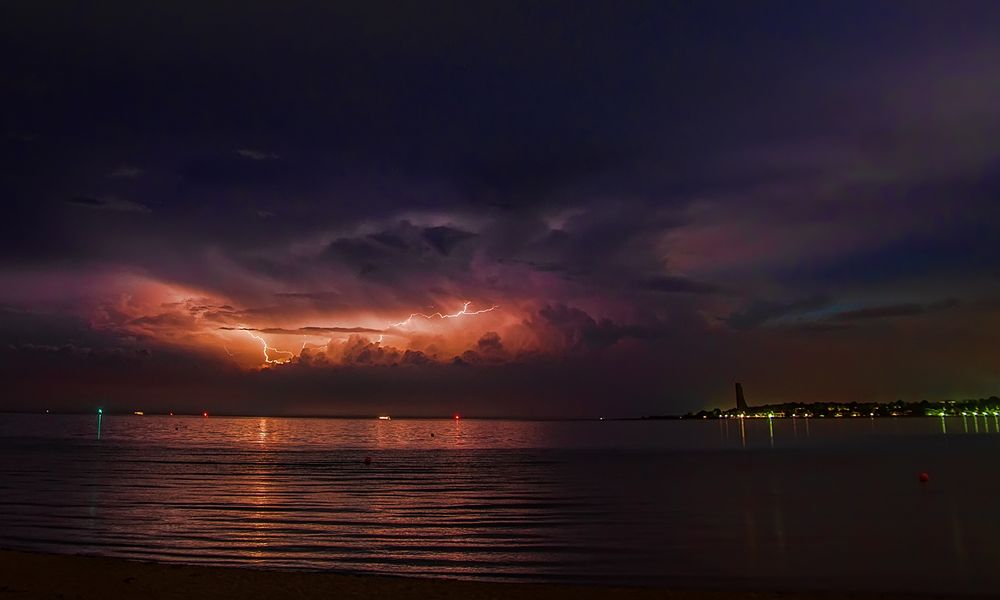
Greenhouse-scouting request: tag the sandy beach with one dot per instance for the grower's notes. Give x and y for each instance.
(31, 575)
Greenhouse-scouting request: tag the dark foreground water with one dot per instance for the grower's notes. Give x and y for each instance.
(823, 503)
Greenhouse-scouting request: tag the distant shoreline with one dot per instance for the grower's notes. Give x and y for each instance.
(984, 407)
(30, 575)
(972, 407)
(685, 417)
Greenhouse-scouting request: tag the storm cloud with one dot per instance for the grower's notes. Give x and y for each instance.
(656, 199)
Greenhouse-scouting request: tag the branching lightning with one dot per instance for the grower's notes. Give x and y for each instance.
(464, 312)
(267, 357)
(284, 356)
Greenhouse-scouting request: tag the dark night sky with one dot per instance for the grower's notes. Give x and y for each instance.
(657, 198)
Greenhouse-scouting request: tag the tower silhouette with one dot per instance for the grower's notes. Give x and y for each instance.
(741, 403)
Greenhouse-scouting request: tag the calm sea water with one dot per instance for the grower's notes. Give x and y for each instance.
(823, 503)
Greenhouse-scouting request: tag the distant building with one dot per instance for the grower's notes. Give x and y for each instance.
(741, 403)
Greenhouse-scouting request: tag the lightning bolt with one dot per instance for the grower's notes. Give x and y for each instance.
(266, 348)
(464, 312)
(286, 355)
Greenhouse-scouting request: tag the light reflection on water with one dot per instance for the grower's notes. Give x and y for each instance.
(830, 503)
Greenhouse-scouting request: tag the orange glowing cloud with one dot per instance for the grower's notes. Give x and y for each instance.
(195, 320)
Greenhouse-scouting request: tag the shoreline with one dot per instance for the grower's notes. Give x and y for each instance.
(30, 575)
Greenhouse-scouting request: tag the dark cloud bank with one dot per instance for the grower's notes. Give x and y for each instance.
(661, 198)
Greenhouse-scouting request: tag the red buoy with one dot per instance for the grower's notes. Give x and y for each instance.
(924, 477)
(368, 460)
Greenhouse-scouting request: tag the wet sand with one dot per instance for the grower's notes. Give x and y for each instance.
(30, 575)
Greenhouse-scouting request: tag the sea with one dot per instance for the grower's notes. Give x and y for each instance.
(761, 504)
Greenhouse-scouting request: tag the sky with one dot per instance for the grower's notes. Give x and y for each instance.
(497, 208)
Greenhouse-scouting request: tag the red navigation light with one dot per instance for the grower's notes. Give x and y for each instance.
(204, 414)
(457, 417)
